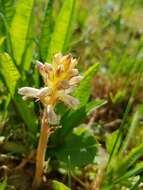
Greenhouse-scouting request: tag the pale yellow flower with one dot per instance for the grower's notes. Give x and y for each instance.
(60, 79)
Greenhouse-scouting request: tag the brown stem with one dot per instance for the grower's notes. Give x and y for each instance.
(96, 185)
(41, 151)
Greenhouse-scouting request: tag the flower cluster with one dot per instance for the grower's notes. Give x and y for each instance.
(60, 78)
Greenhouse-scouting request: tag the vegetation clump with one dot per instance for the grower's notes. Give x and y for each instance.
(68, 123)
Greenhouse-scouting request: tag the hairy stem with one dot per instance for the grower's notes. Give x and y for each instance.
(41, 151)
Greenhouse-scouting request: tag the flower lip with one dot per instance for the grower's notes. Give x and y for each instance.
(74, 72)
(68, 100)
(75, 80)
(39, 65)
(46, 91)
(28, 91)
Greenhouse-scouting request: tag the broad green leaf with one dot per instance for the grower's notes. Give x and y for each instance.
(62, 28)
(83, 91)
(20, 27)
(9, 71)
(59, 186)
(11, 77)
(82, 143)
(46, 30)
(75, 117)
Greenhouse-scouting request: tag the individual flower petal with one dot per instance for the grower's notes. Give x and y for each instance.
(67, 61)
(48, 67)
(40, 67)
(53, 118)
(73, 63)
(59, 70)
(28, 92)
(46, 91)
(69, 100)
(57, 58)
(49, 71)
(64, 84)
(74, 72)
(75, 80)
(69, 90)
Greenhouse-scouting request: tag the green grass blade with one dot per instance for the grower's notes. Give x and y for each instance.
(62, 28)
(29, 47)
(132, 172)
(20, 28)
(130, 131)
(110, 139)
(130, 159)
(27, 56)
(69, 172)
(95, 104)
(83, 91)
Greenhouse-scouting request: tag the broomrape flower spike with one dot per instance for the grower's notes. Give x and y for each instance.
(60, 79)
